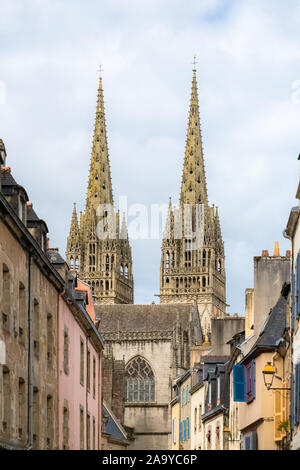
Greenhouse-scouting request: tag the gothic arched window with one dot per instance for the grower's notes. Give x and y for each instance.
(139, 381)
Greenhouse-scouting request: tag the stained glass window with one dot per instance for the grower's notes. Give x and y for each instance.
(139, 381)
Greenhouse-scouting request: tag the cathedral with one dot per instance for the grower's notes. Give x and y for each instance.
(147, 346)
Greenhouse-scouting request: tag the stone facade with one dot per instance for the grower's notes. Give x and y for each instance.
(192, 254)
(29, 296)
(160, 338)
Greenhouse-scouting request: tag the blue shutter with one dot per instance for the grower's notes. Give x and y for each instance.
(293, 299)
(184, 430)
(253, 379)
(188, 427)
(292, 400)
(298, 284)
(297, 394)
(180, 431)
(239, 383)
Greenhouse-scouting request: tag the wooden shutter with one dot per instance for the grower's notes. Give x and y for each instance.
(283, 407)
(277, 415)
(180, 431)
(292, 400)
(188, 427)
(297, 393)
(239, 383)
(253, 379)
(184, 430)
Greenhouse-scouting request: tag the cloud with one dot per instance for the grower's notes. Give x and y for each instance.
(248, 58)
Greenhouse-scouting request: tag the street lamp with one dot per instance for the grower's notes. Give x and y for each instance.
(269, 373)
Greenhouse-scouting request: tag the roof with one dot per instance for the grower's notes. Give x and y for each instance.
(143, 318)
(274, 326)
(82, 286)
(111, 426)
(55, 257)
(31, 214)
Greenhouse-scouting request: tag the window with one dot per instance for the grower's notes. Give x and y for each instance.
(49, 422)
(250, 381)
(66, 351)
(88, 370)
(81, 362)
(174, 430)
(94, 377)
(88, 431)
(7, 412)
(81, 428)
(139, 381)
(22, 409)
(218, 390)
(65, 443)
(36, 417)
(94, 433)
(195, 420)
(297, 395)
(5, 295)
(199, 420)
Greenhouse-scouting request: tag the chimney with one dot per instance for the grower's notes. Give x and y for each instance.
(276, 249)
(288, 254)
(265, 253)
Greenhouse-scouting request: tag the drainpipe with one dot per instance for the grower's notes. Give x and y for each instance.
(291, 338)
(86, 392)
(99, 396)
(30, 359)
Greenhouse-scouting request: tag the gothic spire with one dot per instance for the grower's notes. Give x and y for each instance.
(73, 242)
(193, 185)
(99, 186)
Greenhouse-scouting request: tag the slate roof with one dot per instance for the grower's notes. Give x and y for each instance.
(142, 318)
(7, 179)
(55, 257)
(31, 215)
(110, 425)
(274, 326)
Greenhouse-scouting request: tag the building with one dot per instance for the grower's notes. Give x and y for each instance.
(80, 348)
(198, 394)
(146, 346)
(183, 391)
(262, 411)
(114, 435)
(234, 441)
(192, 254)
(293, 233)
(30, 288)
(99, 248)
(215, 415)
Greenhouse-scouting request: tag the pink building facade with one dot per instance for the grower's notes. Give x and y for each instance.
(80, 349)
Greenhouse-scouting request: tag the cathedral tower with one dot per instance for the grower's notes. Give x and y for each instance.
(99, 248)
(192, 254)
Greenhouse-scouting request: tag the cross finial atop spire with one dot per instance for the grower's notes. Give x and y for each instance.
(100, 70)
(194, 61)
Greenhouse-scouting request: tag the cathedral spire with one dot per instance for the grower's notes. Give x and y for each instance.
(99, 186)
(73, 242)
(193, 186)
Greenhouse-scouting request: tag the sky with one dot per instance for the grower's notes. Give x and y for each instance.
(248, 70)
